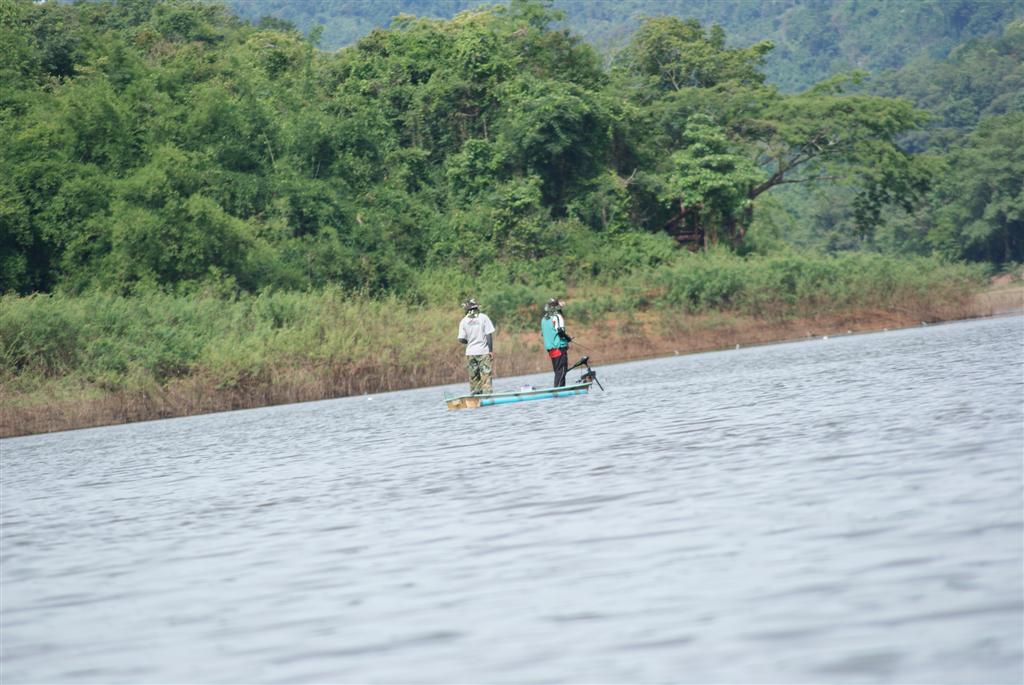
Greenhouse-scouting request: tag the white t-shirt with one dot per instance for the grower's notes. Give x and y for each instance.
(475, 329)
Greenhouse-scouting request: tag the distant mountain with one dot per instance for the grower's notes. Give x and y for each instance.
(814, 38)
(981, 78)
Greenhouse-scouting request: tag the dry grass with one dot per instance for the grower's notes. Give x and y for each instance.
(1006, 296)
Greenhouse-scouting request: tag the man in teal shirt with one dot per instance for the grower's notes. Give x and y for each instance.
(556, 340)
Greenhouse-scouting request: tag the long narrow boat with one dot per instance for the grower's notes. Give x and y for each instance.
(477, 401)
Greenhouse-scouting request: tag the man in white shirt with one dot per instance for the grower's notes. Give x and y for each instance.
(476, 332)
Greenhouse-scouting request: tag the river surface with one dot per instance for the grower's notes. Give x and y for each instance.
(843, 510)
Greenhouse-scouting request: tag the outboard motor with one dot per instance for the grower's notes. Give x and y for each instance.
(588, 376)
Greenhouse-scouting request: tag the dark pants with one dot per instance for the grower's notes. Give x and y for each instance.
(560, 365)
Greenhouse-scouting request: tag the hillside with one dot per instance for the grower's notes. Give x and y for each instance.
(813, 38)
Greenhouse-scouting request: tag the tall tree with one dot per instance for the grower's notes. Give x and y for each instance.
(982, 199)
(676, 70)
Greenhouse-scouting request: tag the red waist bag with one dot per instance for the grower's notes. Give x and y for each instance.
(555, 353)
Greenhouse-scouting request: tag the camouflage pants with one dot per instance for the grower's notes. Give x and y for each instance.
(479, 373)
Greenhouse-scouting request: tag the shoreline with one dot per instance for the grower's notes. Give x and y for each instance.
(613, 340)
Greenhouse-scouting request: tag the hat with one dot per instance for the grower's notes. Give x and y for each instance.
(470, 304)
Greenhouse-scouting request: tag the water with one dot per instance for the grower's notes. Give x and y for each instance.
(842, 510)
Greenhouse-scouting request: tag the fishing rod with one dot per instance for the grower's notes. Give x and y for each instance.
(589, 374)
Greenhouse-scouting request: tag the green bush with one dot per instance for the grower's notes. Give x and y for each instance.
(795, 284)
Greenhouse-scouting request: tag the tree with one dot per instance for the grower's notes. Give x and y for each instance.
(162, 229)
(675, 71)
(709, 182)
(554, 131)
(670, 54)
(982, 200)
(825, 135)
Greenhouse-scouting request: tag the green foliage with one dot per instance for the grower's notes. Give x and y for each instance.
(814, 39)
(670, 54)
(151, 339)
(707, 179)
(794, 284)
(981, 78)
(168, 144)
(980, 213)
(979, 83)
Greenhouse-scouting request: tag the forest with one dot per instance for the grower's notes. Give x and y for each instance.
(813, 39)
(159, 149)
(170, 143)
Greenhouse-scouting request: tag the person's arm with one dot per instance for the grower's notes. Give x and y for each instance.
(560, 329)
(489, 328)
(462, 334)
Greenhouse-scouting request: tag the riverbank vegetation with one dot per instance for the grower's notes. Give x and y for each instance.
(79, 360)
(198, 213)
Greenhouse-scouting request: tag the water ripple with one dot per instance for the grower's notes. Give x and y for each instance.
(840, 511)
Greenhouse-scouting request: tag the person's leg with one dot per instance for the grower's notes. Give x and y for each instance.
(486, 369)
(561, 368)
(474, 374)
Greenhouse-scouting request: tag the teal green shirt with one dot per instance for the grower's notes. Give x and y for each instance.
(549, 331)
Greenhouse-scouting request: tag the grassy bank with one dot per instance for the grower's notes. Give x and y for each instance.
(97, 359)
